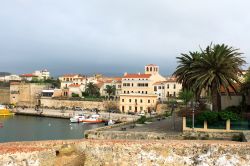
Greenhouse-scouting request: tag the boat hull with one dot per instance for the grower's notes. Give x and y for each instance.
(92, 121)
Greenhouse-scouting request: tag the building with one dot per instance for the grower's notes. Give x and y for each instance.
(73, 79)
(26, 94)
(137, 91)
(9, 78)
(116, 82)
(36, 75)
(168, 89)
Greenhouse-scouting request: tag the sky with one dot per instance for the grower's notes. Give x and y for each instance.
(115, 36)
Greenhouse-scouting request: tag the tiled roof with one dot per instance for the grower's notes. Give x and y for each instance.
(236, 86)
(151, 65)
(137, 76)
(28, 75)
(74, 85)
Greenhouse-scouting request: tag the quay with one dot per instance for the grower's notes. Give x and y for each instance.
(53, 113)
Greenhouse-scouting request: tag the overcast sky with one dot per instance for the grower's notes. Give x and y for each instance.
(115, 36)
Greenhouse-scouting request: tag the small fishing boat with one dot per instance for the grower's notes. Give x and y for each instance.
(4, 111)
(95, 118)
(77, 118)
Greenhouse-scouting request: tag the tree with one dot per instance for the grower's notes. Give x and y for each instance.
(110, 90)
(92, 90)
(186, 96)
(213, 68)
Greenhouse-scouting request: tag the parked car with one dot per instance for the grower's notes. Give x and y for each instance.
(114, 111)
(78, 109)
(131, 113)
(141, 114)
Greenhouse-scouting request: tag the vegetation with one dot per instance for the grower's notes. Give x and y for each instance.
(75, 95)
(245, 90)
(209, 116)
(210, 69)
(110, 90)
(91, 90)
(55, 83)
(225, 115)
(142, 120)
(186, 95)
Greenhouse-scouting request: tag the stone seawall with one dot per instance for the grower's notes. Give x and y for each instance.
(49, 102)
(125, 153)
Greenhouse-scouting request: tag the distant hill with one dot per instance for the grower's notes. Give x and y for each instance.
(4, 74)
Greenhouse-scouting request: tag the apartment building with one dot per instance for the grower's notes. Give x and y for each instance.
(167, 89)
(137, 91)
(116, 82)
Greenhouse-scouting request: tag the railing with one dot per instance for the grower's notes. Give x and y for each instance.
(219, 126)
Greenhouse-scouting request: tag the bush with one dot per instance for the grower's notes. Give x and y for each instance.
(234, 109)
(142, 120)
(209, 116)
(225, 115)
(75, 95)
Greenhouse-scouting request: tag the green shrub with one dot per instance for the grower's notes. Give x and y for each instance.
(142, 120)
(209, 116)
(225, 115)
(75, 95)
(234, 109)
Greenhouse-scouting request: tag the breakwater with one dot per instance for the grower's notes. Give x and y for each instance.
(124, 152)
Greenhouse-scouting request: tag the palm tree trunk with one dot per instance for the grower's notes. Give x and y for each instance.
(216, 99)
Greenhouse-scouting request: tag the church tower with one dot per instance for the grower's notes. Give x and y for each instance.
(151, 69)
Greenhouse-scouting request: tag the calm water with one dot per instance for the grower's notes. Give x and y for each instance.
(28, 128)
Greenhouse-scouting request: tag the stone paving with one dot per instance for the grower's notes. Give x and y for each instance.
(171, 125)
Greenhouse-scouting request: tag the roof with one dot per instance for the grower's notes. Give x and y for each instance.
(151, 65)
(137, 76)
(236, 86)
(74, 85)
(14, 83)
(72, 75)
(28, 75)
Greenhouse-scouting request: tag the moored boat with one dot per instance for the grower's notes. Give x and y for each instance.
(77, 118)
(93, 119)
(5, 112)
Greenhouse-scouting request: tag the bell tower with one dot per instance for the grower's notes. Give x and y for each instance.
(151, 69)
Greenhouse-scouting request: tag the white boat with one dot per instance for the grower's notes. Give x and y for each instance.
(110, 122)
(95, 118)
(77, 118)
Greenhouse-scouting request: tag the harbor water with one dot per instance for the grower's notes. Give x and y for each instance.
(31, 128)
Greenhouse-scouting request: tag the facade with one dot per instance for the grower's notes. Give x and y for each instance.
(73, 79)
(116, 81)
(9, 78)
(28, 77)
(167, 89)
(137, 91)
(42, 74)
(26, 94)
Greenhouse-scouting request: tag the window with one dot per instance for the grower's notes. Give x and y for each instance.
(148, 101)
(159, 87)
(135, 100)
(139, 91)
(141, 108)
(167, 86)
(142, 92)
(125, 92)
(122, 100)
(146, 84)
(163, 87)
(128, 92)
(174, 94)
(122, 108)
(146, 92)
(132, 84)
(155, 88)
(174, 86)
(141, 100)
(130, 108)
(130, 100)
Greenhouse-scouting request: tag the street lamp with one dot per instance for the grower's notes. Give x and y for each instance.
(193, 116)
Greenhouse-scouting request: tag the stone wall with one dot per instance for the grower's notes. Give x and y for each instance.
(49, 102)
(4, 95)
(125, 153)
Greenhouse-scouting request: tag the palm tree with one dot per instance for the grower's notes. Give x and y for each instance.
(110, 89)
(92, 89)
(217, 67)
(186, 96)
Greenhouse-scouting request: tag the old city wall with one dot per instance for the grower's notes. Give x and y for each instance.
(56, 103)
(123, 152)
(4, 95)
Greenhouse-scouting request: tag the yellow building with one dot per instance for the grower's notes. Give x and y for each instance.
(137, 91)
